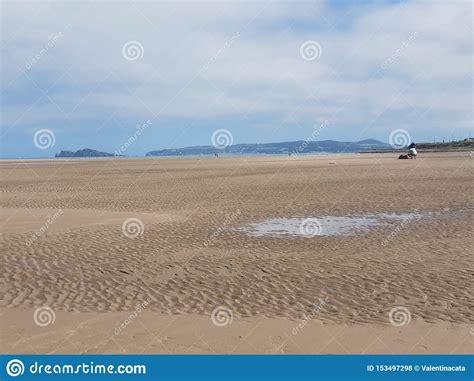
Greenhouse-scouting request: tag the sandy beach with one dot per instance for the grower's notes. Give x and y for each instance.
(169, 255)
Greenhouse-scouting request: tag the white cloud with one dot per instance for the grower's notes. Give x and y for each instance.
(383, 60)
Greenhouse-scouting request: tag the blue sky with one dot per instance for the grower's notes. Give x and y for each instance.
(91, 72)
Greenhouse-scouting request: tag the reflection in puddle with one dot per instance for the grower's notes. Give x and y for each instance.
(324, 225)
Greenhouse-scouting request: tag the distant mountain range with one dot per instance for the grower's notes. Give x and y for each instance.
(86, 152)
(295, 148)
(285, 148)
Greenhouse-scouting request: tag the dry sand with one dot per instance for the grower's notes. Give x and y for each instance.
(64, 248)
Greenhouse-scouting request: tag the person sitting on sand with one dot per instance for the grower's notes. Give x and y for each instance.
(412, 151)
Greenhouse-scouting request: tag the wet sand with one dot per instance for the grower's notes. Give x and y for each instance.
(90, 245)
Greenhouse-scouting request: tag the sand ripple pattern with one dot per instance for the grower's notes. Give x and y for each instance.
(426, 268)
(90, 270)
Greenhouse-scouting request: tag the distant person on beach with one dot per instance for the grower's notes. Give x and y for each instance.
(412, 151)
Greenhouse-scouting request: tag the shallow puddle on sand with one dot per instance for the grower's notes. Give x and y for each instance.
(324, 225)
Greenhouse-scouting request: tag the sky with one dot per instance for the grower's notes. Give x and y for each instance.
(131, 77)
